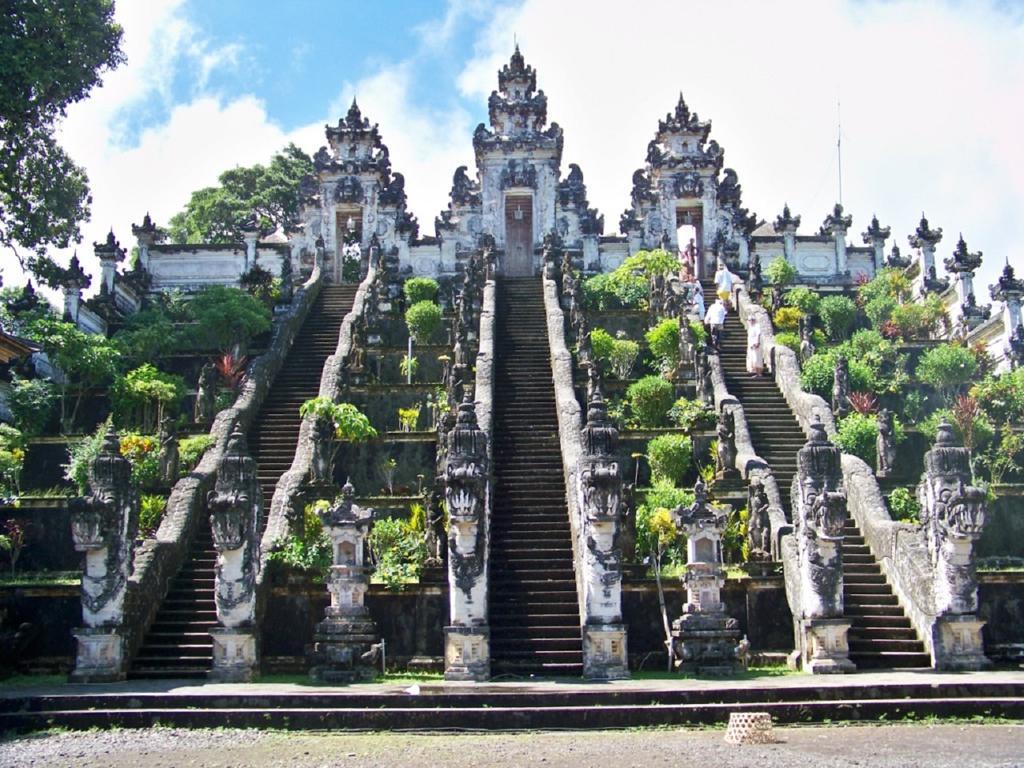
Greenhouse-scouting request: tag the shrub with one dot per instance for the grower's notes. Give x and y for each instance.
(903, 507)
(979, 431)
(654, 526)
(423, 320)
(408, 366)
(919, 320)
(805, 299)
(818, 374)
(12, 459)
(598, 293)
(32, 402)
(143, 453)
(151, 512)
(144, 395)
(838, 315)
(408, 418)
(787, 318)
(191, 450)
(227, 318)
(780, 271)
(879, 310)
(601, 344)
(789, 339)
(419, 289)
(670, 456)
(349, 422)
(603, 292)
(1001, 458)
(623, 356)
(1002, 396)
(310, 554)
(699, 333)
(649, 400)
(663, 341)
(946, 367)
(691, 414)
(857, 434)
(397, 550)
(888, 284)
(80, 455)
(647, 264)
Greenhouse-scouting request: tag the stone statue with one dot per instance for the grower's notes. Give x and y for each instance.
(841, 387)
(103, 525)
(885, 445)
(756, 278)
(287, 280)
(776, 299)
(235, 506)
(725, 449)
(758, 523)
(705, 385)
(806, 340)
(168, 457)
(206, 396)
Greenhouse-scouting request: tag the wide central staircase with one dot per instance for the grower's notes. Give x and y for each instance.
(534, 612)
(178, 643)
(881, 635)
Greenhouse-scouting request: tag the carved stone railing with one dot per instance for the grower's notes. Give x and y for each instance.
(159, 559)
(952, 638)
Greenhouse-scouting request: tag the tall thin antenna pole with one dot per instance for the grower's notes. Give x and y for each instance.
(839, 147)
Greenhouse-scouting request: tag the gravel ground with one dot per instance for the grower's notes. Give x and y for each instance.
(799, 747)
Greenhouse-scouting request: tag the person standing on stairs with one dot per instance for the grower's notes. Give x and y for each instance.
(723, 283)
(714, 319)
(755, 351)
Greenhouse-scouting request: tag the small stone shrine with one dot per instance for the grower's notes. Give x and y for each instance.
(103, 525)
(705, 638)
(345, 643)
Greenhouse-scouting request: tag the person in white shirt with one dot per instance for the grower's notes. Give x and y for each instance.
(723, 282)
(755, 353)
(697, 297)
(714, 319)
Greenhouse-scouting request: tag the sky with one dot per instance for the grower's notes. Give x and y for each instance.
(929, 96)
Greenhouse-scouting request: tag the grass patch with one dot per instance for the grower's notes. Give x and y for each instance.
(16, 682)
(751, 673)
(42, 579)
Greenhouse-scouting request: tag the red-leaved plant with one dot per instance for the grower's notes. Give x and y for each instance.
(863, 402)
(966, 410)
(231, 369)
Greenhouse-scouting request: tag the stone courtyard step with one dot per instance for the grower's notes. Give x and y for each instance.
(178, 644)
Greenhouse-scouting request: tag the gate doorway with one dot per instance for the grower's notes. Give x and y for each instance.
(518, 236)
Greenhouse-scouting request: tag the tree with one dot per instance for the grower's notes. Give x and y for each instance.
(215, 214)
(52, 53)
(227, 319)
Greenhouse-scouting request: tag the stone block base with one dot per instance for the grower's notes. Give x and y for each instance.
(467, 653)
(344, 650)
(604, 652)
(235, 658)
(101, 655)
(958, 643)
(826, 650)
(705, 643)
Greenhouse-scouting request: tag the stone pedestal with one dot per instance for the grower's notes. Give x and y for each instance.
(343, 650)
(825, 647)
(960, 645)
(101, 655)
(604, 652)
(235, 656)
(467, 654)
(705, 643)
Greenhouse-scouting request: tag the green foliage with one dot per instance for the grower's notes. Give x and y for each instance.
(903, 507)
(88, 360)
(918, 320)
(349, 422)
(261, 284)
(603, 291)
(805, 299)
(601, 344)
(419, 289)
(780, 271)
(408, 366)
(226, 318)
(12, 459)
(52, 55)
(857, 434)
(1004, 456)
(649, 264)
(649, 400)
(656, 534)
(838, 314)
(423, 320)
(151, 513)
(149, 335)
(974, 432)
(215, 214)
(408, 418)
(191, 450)
(143, 453)
(691, 414)
(734, 537)
(1002, 396)
(32, 402)
(310, 554)
(787, 318)
(890, 283)
(670, 457)
(623, 355)
(699, 333)
(947, 368)
(663, 341)
(818, 374)
(398, 551)
(80, 455)
(789, 339)
(142, 397)
(879, 310)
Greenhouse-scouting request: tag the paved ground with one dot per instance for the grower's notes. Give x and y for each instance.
(953, 745)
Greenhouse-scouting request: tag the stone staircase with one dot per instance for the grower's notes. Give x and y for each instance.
(881, 635)
(534, 612)
(178, 644)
